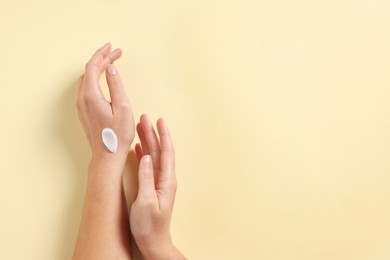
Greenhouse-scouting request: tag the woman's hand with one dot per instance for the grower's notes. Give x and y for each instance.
(104, 228)
(96, 113)
(150, 214)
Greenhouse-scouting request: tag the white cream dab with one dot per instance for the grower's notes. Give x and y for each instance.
(109, 139)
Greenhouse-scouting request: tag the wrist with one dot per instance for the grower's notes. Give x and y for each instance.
(107, 158)
(107, 163)
(161, 251)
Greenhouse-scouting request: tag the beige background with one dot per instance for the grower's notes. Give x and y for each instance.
(279, 111)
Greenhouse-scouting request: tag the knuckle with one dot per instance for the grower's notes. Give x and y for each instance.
(155, 151)
(171, 151)
(169, 148)
(89, 98)
(124, 105)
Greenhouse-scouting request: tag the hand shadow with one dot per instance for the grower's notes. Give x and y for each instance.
(75, 144)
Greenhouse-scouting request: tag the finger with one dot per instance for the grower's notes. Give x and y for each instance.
(146, 188)
(114, 55)
(167, 178)
(93, 67)
(110, 58)
(118, 94)
(142, 139)
(152, 141)
(139, 152)
(167, 161)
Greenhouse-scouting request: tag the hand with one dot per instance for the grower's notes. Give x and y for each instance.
(150, 214)
(96, 113)
(104, 228)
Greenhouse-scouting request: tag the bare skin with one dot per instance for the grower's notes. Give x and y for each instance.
(104, 231)
(150, 214)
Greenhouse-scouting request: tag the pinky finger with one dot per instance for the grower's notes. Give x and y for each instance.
(139, 151)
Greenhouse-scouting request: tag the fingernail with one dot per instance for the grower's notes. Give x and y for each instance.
(147, 161)
(111, 70)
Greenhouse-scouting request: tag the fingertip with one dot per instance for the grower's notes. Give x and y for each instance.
(162, 126)
(107, 44)
(139, 128)
(161, 122)
(115, 55)
(118, 50)
(141, 134)
(145, 121)
(143, 117)
(98, 60)
(105, 49)
(142, 138)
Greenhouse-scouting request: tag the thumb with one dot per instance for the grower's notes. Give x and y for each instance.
(115, 86)
(146, 188)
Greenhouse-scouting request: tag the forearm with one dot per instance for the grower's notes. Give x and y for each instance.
(104, 229)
